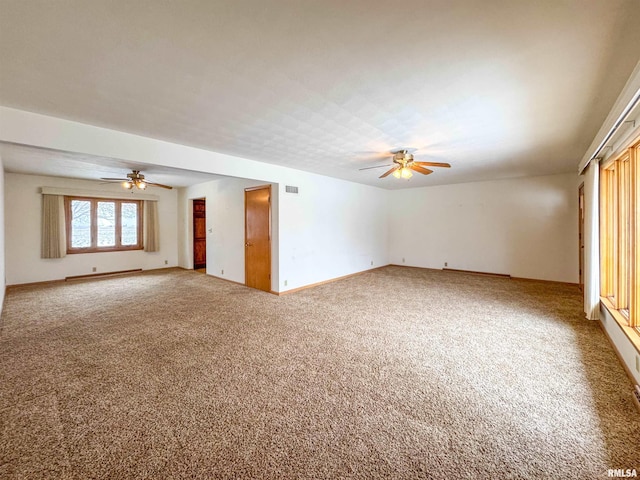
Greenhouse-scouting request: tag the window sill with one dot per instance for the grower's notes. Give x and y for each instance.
(101, 250)
(631, 333)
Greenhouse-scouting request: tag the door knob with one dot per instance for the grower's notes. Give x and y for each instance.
(248, 244)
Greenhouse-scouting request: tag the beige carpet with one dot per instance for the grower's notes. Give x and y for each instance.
(395, 373)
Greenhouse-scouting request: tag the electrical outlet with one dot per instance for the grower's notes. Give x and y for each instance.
(446, 264)
(402, 259)
(222, 272)
(286, 283)
(93, 269)
(166, 262)
(371, 262)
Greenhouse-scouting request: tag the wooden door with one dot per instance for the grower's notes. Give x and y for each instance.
(257, 240)
(199, 234)
(581, 235)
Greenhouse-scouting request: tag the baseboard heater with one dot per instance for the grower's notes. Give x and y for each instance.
(501, 275)
(102, 274)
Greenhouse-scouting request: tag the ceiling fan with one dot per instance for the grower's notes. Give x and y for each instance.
(404, 164)
(135, 179)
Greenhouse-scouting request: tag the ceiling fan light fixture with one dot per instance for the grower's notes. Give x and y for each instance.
(135, 180)
(403, 172)
(404, 165)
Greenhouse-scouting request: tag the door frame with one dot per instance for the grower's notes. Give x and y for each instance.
(581, 213)
(246, 266)
(193, 227)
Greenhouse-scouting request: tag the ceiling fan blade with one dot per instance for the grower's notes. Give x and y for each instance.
(158, 185)
(372, 154)
(403, 149)
(116, 179)
(377, 166)
(433, 164)
(419, 169)
(390, 171)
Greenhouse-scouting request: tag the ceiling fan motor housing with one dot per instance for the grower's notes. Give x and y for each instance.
(402, 157)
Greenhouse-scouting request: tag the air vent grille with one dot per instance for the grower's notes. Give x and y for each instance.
(291, 189)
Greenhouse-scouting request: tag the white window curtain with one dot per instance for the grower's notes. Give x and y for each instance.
(54, 241)
(151, 228)
(592, 241)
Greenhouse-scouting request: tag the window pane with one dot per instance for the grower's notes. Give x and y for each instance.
(106, 224)
(619, 229)
(80, 223)
(129, 224)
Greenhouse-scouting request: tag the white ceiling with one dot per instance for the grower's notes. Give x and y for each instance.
(497, 88)
(31, 160)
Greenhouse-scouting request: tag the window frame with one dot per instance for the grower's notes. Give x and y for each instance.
(620, 233)
(94, 248)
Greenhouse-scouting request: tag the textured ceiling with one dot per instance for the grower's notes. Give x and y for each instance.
(54, 163)
(497, 88)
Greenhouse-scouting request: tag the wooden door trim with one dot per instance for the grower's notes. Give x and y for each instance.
(260, 187)
(581, 259)
(246, 267)
(202, 200)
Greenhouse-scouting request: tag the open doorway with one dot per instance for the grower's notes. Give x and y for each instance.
(200, 235)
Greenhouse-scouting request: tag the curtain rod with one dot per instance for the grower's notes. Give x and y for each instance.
(77, 192)
(625, 113)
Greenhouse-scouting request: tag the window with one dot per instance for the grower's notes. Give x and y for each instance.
(102, 225)
(619, 234)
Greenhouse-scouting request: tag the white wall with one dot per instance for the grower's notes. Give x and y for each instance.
(524, 227)
(3, 281)
(23, 227)
(331, 228)
(350, 234)
(225, 226)
(629, 354)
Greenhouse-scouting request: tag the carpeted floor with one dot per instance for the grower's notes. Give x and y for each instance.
(394, 373)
